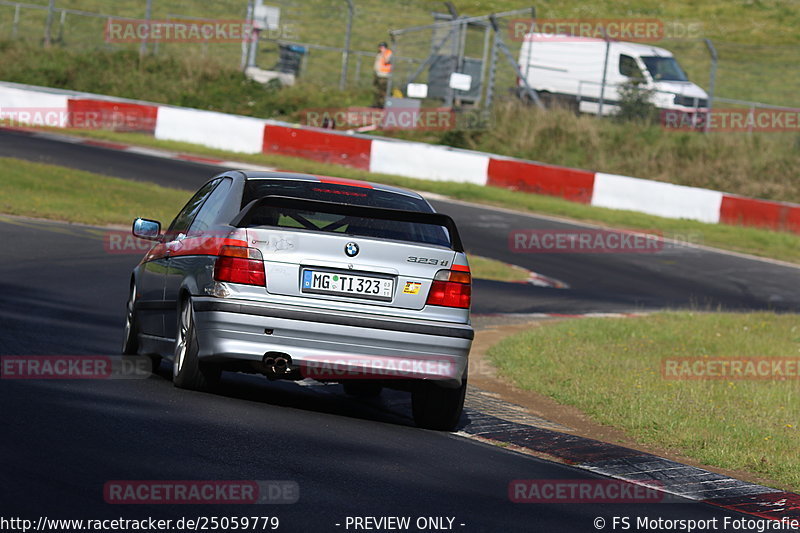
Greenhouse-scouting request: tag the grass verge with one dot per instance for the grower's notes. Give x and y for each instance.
(59, 193)
(765, 243)
(485, 268)
(611, 370)
(49, 191)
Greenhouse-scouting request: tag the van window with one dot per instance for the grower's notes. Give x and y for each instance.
(664, 68)
(629, 68)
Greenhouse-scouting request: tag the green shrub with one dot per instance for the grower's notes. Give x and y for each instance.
(635, 103)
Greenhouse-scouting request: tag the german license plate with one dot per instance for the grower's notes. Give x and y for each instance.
(316, 281)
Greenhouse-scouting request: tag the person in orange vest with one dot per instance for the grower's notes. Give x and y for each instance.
(383, 70)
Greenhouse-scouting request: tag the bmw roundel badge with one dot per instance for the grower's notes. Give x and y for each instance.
(351, 249)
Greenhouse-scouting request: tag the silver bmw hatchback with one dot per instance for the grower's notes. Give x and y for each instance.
(296, 276)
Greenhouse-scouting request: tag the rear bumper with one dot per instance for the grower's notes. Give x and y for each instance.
(332, 345)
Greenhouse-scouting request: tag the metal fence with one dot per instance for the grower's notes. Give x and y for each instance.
(49, 25)
(316, 25)
(745, 74)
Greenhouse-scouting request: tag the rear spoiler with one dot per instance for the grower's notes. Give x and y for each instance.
(379, 213)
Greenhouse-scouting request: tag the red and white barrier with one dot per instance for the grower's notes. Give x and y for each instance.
(50, 106)
(529, 176)
(318, 145)
(110, 115)
(208, 128)
(743, 211)
(656, 198)
(411, 159)
(428, 161)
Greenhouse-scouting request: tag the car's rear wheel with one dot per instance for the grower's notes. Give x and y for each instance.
(436, 407)
(362, 389)
(188, 372)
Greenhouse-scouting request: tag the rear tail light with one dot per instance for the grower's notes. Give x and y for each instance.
(239, 264)
(451, 288)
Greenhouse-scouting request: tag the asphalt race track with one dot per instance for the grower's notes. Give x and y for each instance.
(676, 276)
(63, 294)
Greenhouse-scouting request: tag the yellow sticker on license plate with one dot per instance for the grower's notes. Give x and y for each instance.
(412, 287)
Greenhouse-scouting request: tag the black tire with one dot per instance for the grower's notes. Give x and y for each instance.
(547, 99)
(436, 407)
(566, 102)
(130, 342)
(573, 105)
(362, 389)
(187, 370)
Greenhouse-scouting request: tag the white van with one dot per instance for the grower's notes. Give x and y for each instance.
(570, 69)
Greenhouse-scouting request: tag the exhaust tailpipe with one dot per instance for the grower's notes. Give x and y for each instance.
(277, 364)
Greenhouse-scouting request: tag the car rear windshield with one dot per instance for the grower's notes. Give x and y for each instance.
(319, 220)
(332, 192)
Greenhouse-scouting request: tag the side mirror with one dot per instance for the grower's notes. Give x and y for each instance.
(146, 229)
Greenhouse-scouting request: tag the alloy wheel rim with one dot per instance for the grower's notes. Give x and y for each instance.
(129, 315)
(183, 330)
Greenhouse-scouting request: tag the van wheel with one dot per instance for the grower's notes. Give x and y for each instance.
(547, 99)
(436, 407)
(574, 105)
(187, 370)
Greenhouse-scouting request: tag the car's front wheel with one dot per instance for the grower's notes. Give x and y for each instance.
(130, 343)
(436, 407)
(188, 372)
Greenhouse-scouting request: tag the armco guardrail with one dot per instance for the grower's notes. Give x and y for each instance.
(379, 154)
